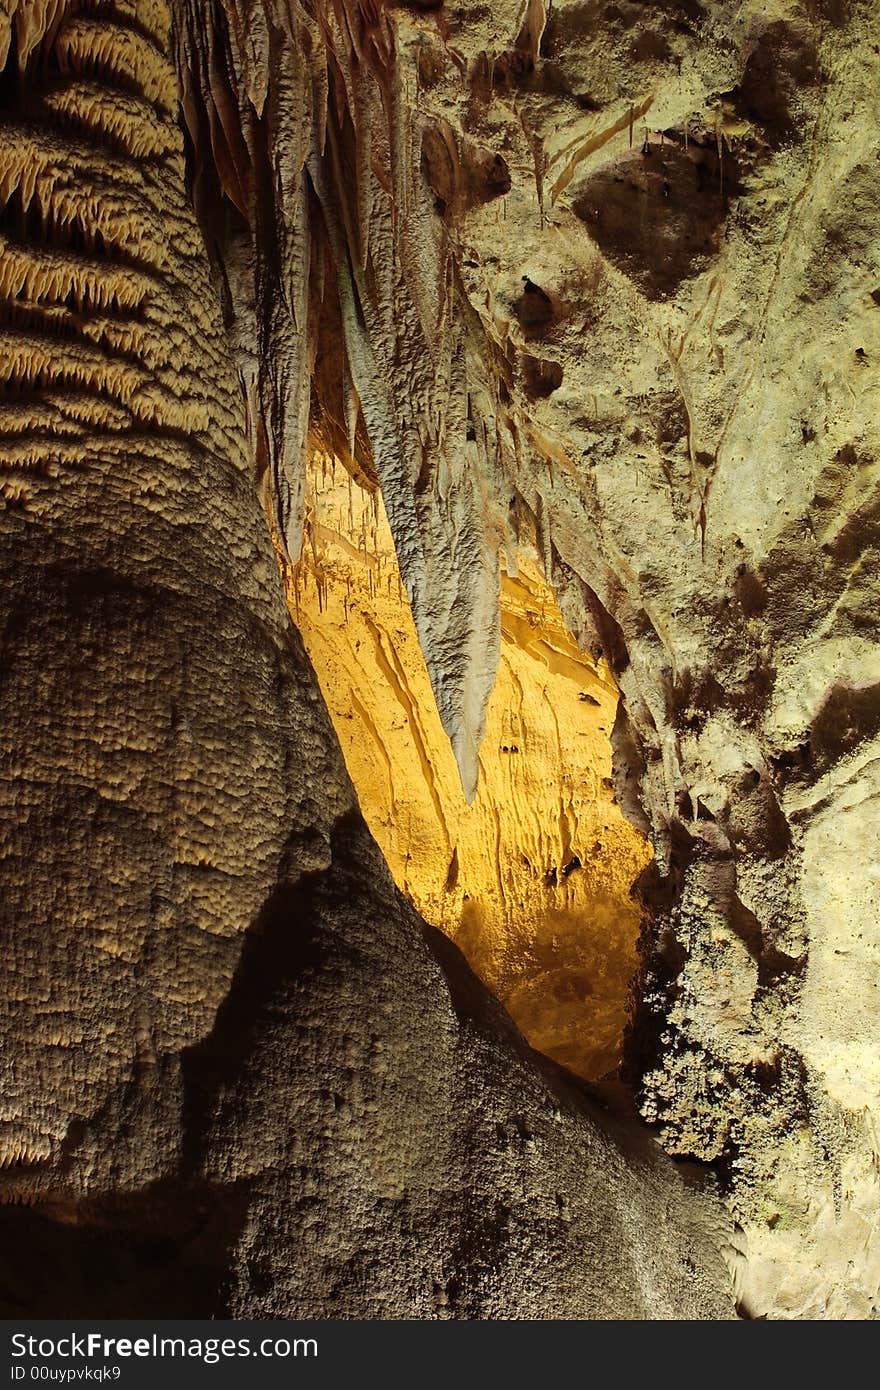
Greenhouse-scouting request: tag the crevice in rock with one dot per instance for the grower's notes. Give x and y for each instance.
(533, 881)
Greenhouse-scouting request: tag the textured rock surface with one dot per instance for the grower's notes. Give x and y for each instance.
(237, 1076)
(534, 879)
(610, 273)
(605, 275)
(151, 684)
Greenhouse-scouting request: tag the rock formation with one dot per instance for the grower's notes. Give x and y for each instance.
(533, 880)
(599, 279)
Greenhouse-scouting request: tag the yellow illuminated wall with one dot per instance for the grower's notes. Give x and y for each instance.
(533, 879)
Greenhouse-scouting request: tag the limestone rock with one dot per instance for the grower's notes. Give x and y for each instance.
(662, 312)
(238, 1074)
(610, 273)
(534, 879)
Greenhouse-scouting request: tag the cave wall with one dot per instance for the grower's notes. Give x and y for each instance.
(240, 1076)
(610, 272)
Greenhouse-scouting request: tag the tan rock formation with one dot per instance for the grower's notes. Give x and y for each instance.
(220, 1020)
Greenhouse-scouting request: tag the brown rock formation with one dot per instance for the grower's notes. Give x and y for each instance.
(239, 1073)
(606, 277)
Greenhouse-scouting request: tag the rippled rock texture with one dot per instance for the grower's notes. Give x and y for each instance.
(601, 279)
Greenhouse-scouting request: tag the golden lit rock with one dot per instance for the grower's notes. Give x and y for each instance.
(532, 880)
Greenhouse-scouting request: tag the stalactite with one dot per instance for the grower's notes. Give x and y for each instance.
(377, 237)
